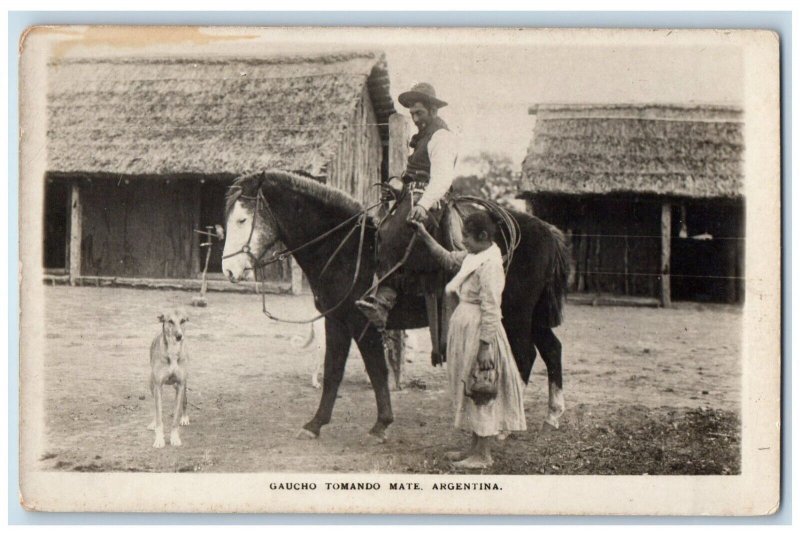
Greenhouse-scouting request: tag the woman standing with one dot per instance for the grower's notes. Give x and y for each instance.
(476, 340)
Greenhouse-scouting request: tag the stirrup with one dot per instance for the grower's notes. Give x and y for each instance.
(375, 312)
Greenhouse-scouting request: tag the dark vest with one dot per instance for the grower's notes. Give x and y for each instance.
(418, 167)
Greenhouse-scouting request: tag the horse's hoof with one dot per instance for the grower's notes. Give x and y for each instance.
(304, 434)
(377, 438)
(549, 427)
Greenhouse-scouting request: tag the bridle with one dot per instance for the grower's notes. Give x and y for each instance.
(246, 249)
(361, 219)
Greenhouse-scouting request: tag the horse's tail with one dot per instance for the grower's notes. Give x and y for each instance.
(549, 309)
(299, 342)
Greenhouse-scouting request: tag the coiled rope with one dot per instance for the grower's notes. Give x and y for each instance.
(509, 228)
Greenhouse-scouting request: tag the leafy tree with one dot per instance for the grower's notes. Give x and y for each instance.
(492, 177)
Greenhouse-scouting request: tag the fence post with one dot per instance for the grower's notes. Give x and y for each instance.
(75, 221)
(666, 237)
(297, 277)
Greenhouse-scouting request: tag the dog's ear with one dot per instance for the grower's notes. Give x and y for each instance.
(185, 317)
(161, 317)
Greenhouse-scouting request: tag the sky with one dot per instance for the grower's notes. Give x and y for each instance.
(490, 78)
(490, 89)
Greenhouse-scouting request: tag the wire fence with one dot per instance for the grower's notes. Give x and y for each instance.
(702, 239)
(656, 274)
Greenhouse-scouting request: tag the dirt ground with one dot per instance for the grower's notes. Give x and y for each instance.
(647, 391)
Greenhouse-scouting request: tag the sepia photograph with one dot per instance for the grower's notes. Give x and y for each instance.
(395, 270)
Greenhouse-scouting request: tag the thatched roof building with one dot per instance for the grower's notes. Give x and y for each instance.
(632, 183)
(146, 116)
(144, 147)
(677, 151)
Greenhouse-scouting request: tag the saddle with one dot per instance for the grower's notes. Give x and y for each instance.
(395, 234)
(420, 274)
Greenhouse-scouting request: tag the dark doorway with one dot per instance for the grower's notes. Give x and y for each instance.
(707, 259)
(212, 212)
(56, 226)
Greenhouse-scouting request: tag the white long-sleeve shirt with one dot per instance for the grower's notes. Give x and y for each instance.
(442, 152)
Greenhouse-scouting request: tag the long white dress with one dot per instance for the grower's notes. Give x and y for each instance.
(476, 318)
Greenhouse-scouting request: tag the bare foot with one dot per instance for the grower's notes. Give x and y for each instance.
(474, 462)
(455, 455)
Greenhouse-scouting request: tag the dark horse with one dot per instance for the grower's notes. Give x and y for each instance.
(272, 206)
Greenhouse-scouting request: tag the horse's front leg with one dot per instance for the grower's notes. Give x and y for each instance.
(371, 347)
(550, 348)
(337, 346)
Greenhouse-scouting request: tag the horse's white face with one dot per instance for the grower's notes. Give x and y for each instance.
(241, 231)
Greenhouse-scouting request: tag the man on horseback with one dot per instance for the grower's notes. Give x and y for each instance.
(426, 183)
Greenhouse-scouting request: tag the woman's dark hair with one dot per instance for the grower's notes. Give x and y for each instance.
(480, 222)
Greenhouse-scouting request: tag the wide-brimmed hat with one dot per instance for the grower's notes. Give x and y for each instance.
(422, 92)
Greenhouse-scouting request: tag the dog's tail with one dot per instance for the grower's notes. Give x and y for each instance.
(299, 342)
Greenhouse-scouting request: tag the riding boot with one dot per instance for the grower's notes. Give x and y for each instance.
(376, 308)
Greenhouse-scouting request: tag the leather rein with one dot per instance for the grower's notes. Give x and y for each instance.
(361, 219)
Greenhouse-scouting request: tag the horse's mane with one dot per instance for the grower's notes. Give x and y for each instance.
(285, 180)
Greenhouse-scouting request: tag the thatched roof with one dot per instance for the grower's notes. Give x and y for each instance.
(669, 150)
(221, 115)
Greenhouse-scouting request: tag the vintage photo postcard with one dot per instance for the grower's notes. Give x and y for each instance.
(386, 270)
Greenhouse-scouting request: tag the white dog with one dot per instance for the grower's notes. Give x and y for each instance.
(315, 343)
(169, 365)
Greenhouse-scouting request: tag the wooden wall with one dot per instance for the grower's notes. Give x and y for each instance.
(616, 245)
(145, 228)
(137, 228)
(614, 242)
(357, 164)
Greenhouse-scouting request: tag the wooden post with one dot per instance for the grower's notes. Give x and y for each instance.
(580, 284)
(196, 238)
(666, 238)
(297, 277)
(399, 134)
(730, 270)
(625, 264)
(76, 217)
(740, 268)
(597, 263)
(398, 144)
(573, 266)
